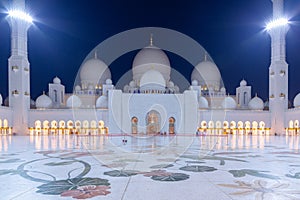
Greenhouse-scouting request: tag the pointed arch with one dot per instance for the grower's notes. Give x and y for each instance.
(240, 125)
(203, 124)
(218, 124)
(134, 125)
(153, 119)
(211, 125)
(172, 125)
(291, 124)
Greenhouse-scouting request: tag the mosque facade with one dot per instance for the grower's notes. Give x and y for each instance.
(150, 103)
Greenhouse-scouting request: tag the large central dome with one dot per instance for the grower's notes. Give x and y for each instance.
(151, 58)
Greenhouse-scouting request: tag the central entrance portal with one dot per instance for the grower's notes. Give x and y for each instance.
(153, 122)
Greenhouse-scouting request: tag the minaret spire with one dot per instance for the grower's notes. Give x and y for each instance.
(18, 5)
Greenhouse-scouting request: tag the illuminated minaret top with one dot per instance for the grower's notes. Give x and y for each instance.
(278, 71)
(278, 29)
(19, 22)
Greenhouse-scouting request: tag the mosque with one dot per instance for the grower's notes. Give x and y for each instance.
(150, 103)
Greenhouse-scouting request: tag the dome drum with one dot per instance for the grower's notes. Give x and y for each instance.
(152, 82)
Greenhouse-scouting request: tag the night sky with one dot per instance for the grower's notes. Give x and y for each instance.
(232, 31)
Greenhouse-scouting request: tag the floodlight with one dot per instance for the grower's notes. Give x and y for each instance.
(20, 15)
(276, 23)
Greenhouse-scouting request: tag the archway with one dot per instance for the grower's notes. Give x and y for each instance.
(153, 122)
(62, 126)
(262, 126)
(171, 125)
(134, 125)
(233, 127)
(296, 126)
(70, 127)
(77, 127)
(46, 126)
(38, 126)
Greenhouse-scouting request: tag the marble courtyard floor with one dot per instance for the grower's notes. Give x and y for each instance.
(149, 167)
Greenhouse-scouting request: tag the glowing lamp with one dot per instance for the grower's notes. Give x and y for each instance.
(276, 23)
(20, 15)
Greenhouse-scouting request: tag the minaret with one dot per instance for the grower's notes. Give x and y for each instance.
(18, 67)
(278, 71)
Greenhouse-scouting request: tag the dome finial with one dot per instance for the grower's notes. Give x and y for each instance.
(43, 92)
(255, 94)
(151, 39)
(205, 56)
(96, 55)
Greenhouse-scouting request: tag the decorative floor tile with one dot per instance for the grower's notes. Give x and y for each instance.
(98, 167)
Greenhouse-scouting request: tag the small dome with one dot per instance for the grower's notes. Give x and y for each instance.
(102, 102)
(126, 88)
(77, 88)
(56, 80)
(223, 90)
(43, 101)
(73, 102)
(152, 79)
(256, 103)
(208, 75)
(297, 101)
(94, 71)
(108, 81)
(176, 88)
(132, 84)
(149, 58)
(228, 103)
(1, 100)
(202, 103)
(195, 83)
(171, 84)
(243, 83)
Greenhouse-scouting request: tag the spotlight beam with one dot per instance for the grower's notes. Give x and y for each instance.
(277, 23)
(20, 15)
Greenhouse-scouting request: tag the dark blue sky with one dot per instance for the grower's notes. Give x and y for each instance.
(231, 31)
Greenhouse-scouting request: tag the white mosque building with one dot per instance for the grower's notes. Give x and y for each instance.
(151, 103)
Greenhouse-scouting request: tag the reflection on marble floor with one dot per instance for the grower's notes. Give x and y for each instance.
(156, 167)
